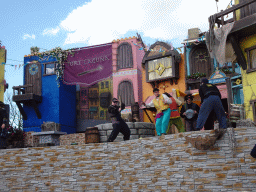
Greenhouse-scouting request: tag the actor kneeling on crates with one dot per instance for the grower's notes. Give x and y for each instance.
(211, 100)
(118, 123)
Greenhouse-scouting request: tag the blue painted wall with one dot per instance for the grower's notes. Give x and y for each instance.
(58, 103)
(67, 108)
(188, 49)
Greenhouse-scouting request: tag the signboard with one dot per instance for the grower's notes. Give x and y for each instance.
(217, 77)
(216, 81)
(89, 65)
(160, 69)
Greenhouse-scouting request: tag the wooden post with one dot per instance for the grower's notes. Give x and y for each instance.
(222, 19)
(240, 56)
(234, 15)
(230, 96)
(22, 111)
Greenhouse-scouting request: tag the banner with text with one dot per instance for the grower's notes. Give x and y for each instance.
(89, 65)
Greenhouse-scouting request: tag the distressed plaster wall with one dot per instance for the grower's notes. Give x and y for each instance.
(151, 164)
(249, 80)
(148, 90)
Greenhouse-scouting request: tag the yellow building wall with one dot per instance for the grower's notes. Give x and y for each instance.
(110, 82)
(147, 89)
(238, 11)
(249, 79)
(2, 68)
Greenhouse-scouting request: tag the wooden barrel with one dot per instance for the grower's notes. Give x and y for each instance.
(92, 135)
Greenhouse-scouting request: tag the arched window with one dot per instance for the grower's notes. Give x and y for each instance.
(124, 56)
(200, 60)
(125, 92)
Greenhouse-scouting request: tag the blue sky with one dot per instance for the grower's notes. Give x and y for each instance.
(79, 23)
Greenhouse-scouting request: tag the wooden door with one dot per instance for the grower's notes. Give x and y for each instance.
(33, 76)
(200, 60)
(125, 92)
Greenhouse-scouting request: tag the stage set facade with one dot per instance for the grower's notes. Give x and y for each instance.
(126, 69)
(92, 77)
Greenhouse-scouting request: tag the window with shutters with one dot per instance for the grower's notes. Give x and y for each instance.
(253, 103)
(83, 97)
(125, 93)
(102, 113)
(49, 68)
(107, 84)
(102, 85)
(124, 56)
(251, 58)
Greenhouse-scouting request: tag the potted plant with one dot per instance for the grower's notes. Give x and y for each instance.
(227, 71)
(34, 50)
(195, 76)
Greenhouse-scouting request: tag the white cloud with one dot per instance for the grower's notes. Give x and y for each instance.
(27, 36)
(101, 21)
(51, 31)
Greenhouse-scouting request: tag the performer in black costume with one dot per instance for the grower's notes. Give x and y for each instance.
(118, 123)
(3, 128)
(190, 121)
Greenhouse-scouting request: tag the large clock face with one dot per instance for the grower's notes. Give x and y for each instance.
(33, 69)
(160, 68)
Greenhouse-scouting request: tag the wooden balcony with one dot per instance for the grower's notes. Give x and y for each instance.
(22, 94)
(242, 28)
(248, 19)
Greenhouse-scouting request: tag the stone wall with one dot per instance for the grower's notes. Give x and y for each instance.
(78, 138)
(31, 140)
(165, 163)
(138, 130)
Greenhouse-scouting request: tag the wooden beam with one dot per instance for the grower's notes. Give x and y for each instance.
(34, 104)
(234, 7)
(239, 54)
(245, 23)
(230, 95)
(22, 111)
(185, 63)
(145, 110)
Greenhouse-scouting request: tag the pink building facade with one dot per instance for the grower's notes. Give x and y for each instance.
(127, 77)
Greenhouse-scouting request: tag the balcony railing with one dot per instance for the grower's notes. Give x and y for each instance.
(220, 16)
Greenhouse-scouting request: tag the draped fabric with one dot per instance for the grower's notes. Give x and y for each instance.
(247, 10)
(124, 56)
(125, 92)
(218, 45)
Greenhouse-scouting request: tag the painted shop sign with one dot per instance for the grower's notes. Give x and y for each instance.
(89, 66)
(217, 77)
(215, 81)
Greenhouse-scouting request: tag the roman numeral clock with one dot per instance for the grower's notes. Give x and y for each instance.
(161, 64)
